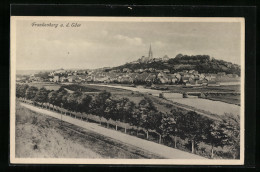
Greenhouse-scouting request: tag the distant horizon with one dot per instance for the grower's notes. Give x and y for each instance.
(80, 68)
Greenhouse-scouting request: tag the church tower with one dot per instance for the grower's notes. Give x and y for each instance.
(150, 54)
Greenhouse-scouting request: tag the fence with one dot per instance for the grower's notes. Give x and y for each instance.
(92, 118)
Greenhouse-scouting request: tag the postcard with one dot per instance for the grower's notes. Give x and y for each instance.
(127, 90)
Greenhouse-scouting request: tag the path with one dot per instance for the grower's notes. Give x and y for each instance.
(155, 148)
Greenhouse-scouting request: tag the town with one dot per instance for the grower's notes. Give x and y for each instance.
(139, 76)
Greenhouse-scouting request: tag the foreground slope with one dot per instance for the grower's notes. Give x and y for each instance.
(149, 146)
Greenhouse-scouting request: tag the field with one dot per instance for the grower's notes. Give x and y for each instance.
(180, 89)
(231, 96)
(39, 136)
(47, 85)
(161, 104)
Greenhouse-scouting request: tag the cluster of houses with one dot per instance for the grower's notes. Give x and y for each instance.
(148, 76)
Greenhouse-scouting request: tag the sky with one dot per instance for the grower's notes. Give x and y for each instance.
(98, 44)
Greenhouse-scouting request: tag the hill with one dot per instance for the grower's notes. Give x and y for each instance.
(200, 63)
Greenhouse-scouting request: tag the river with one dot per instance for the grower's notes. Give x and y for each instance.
(216, 107)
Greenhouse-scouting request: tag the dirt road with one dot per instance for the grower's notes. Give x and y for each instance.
(155, 148)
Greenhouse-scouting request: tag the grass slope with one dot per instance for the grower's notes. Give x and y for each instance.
(39, 136)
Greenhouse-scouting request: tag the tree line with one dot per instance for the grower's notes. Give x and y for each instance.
(144, 116)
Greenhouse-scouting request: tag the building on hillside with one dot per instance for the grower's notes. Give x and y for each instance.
(166, 71)
(185, 79)
(56, 78)
(72, 78)
(126, 79)
(163, 78)
(144, 59)
(127, 70)
(150, 78)
(63, 79)
(139, 71)
(165, 58)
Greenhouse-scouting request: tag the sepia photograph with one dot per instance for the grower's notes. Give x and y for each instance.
(127, 90)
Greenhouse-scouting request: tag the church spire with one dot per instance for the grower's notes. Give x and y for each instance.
(150, 54)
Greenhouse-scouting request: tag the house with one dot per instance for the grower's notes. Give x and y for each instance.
(213, 76)
(204, 82)
(201, 76)
(139, 70)
(191, 71)
(178, 76)
(157, 60)
(63, 79)
(101, 78)
(89, 78)
(172, 78)
(141, 77)
(195, 72)
(165, 58)
(166, 71)
(162, 78)
(196, 77)
(150, 78)
(126, 79)
(60, 71)
(127, 70)
(72, 78)
(191, 79)
(199, 82)
(56, 78)
(185, 79)
(151, 69)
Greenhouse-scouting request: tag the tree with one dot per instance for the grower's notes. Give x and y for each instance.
(83, 102)
(190, 126)
(136, 118)
(169, 125)
(126, 108)
(111, 110)
(72, 101)
(231, 126)
(61, 97)
(21, 90)
(31, 92)
(98, 105)
(52, 97)
(147, 110)
(153, 122)
(213, 134)
(41, 95)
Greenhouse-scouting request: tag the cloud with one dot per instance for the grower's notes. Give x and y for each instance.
(133, 41)
(159, 44)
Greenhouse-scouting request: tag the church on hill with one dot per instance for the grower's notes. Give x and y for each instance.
(144, 59)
